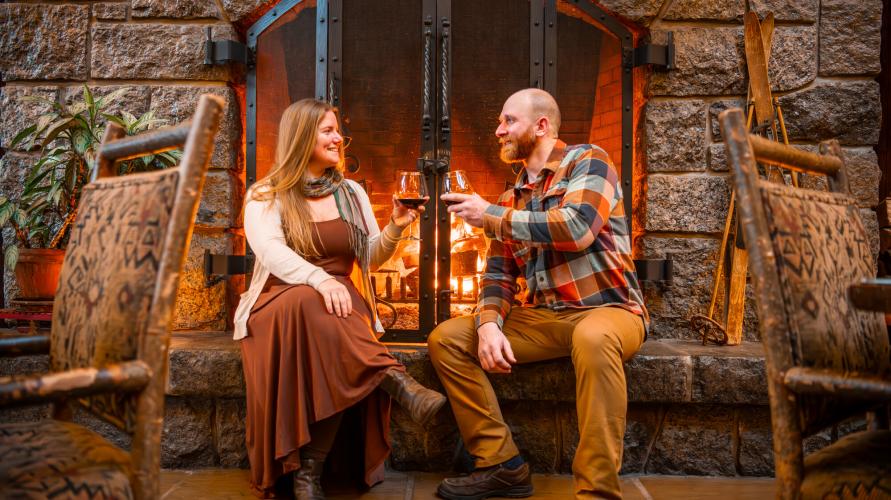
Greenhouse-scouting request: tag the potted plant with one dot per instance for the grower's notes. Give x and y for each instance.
(67, 137)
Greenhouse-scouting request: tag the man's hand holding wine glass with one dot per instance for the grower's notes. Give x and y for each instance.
(469, 207)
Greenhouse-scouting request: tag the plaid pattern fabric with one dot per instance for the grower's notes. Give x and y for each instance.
(566, 234)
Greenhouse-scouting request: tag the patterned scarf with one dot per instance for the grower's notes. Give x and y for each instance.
(349, 208)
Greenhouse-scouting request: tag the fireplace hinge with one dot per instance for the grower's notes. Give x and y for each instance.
(219, 267)
(660, 56)
(217, 52)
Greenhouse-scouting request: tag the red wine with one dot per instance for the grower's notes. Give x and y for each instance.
(412, 202)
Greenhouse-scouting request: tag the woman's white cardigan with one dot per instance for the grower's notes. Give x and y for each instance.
(263, 230)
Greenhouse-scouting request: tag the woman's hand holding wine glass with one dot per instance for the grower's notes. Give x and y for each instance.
(409, 199)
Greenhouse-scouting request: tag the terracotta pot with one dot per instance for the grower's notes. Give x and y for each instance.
(37, 272)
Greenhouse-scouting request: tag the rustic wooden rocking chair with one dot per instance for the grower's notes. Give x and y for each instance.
(111, 324)
(826, 360)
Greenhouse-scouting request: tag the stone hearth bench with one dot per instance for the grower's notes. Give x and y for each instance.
(693, 409)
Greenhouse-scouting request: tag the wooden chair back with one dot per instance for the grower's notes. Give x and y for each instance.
(805, 249)
(118, 285)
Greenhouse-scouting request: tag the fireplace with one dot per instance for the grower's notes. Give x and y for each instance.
(420, 86)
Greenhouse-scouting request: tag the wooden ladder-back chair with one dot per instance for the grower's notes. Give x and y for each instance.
(112, 316)
(826, 360)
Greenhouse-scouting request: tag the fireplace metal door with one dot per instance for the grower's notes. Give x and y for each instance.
(420, 85)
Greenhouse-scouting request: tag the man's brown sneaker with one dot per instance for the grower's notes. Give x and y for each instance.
(497, 481)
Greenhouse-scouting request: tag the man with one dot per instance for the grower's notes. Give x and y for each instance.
(562, 228)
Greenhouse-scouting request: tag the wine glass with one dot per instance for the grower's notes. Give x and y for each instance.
(455, 182)
(412, 192)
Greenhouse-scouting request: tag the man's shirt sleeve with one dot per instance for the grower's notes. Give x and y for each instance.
(592, 192)
(498, 285)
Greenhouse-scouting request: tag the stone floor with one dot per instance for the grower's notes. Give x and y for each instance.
(225, 484)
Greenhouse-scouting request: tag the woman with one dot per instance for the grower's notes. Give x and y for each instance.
(307, 323)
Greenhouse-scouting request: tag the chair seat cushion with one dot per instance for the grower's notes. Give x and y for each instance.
(856, 466)
(60, 460)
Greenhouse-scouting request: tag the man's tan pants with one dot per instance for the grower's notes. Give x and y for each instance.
(597, 339)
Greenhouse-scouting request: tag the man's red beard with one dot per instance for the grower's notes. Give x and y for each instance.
(519, 149)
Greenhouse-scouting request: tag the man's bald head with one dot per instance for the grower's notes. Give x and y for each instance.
(539, 103)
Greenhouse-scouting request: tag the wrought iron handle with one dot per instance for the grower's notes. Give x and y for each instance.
(444, 79)
(428, 73)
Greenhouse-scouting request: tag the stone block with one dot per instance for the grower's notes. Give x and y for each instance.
(849, 111)
(229, 421)
(240, 11)
(177, 103)
(431, 448)
(705, 10)
(198, 306)
(793, 58)
(205, 364)
(729, 374)
(187, 438)
(24, 414)
(216, 209)
(687, 203)
(110, 11)
(676, 136)
(154, 51)
(24, 365)
(568, 425)
(178, 9)
(533, 425)
(715, 109)
(110, 432)
(695, 440)
(134, 101)
(717, 157)
(862, 167)
(18, 112)
(708, 61)
(659, 372)
(15, 168)
(755, 442)
(639, 11)
(641, 426)
(690, 290)
(542, 381)
(850, 37)
(786, 10)
(43, 42)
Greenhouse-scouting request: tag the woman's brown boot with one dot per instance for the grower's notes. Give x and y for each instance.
(420, 402)
(307, 485)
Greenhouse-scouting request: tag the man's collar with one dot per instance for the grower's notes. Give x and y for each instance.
(554, 160)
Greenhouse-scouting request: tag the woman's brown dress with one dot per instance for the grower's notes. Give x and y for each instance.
(302, 365)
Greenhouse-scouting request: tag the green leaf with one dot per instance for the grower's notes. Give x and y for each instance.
(55, 129)
(112, 97)
(82, 140)
(34, 181)
(25, 132)
(128, 118)
(19, 217)
(11, 256)
(115, 119)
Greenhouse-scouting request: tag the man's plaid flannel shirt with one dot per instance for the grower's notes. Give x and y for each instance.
(566, 234)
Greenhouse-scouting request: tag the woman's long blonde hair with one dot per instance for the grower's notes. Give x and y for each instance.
(297, 136)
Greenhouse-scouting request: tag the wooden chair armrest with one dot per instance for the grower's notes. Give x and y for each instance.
(872, 295)
(850, 385)
(24, 345)
(128, 376)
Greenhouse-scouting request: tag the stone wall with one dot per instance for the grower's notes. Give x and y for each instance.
(155, 49)
(823, 66)
(825, 59)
